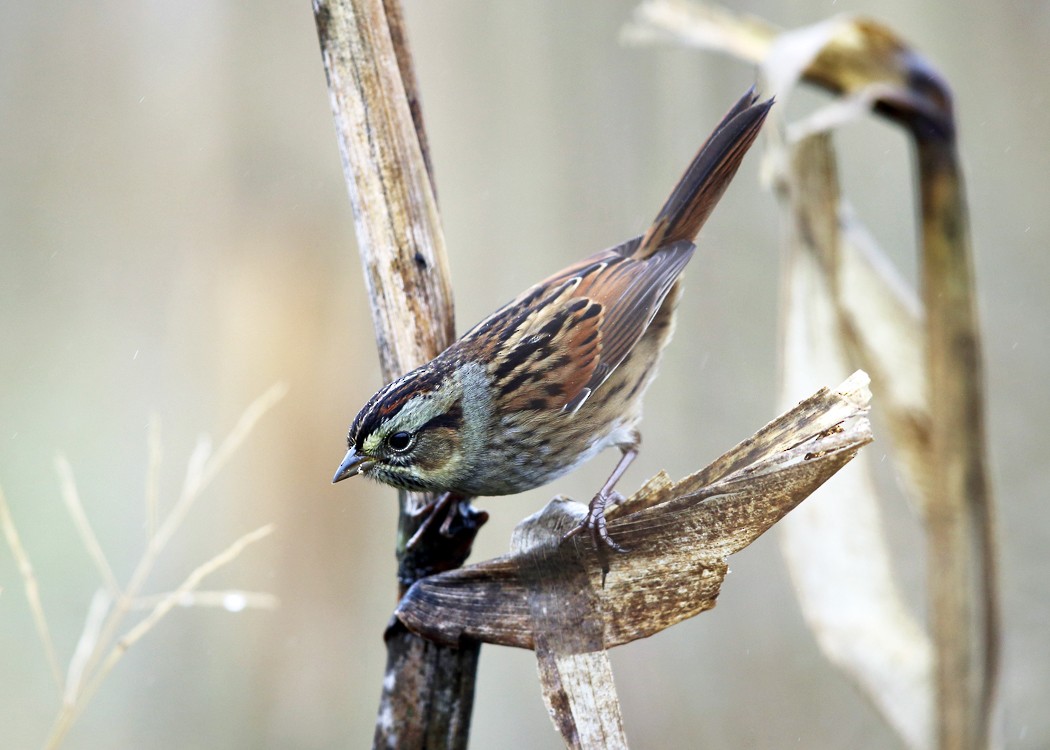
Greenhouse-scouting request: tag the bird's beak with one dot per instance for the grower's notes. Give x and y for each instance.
(353, 463)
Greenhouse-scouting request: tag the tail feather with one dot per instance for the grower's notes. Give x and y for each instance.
(712, 169)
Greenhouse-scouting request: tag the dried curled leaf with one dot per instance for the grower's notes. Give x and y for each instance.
(933, 381)
(841, 305)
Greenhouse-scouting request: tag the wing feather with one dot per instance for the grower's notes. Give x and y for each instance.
(561, 339)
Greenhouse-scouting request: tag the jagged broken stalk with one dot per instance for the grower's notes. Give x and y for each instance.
(428, 690)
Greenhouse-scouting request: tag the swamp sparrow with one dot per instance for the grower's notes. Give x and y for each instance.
(557, 374)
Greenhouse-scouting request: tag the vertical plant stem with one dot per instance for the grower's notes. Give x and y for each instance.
(428, 689)
(962, 560)
(395, 214)
(25, 569)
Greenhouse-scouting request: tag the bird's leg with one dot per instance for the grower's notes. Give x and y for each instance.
(594, 521)
(454, 509)
(443, 508)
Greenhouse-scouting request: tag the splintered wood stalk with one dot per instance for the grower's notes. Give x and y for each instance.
(428, 690)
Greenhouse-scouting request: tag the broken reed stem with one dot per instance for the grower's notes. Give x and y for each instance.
(398, 38)
(396, 220)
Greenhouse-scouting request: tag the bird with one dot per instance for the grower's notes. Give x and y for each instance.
(557, 374)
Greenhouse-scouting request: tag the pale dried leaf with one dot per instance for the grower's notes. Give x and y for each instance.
(793, 52)
(882, 330)
(836, 550)
(948, 462)
(836, 114)
(706, 26)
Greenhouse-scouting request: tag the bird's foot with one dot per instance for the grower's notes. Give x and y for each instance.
(444, 508)
(595, 525)
(443, 539)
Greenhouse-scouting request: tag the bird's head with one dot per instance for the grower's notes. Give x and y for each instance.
(417, 432)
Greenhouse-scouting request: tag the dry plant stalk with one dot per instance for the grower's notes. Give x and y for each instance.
(548, 595)
(99, 648)
(232, 600)
(934, 385)
(428, 690)
(32, 587)
(395, 211)
(87, 535)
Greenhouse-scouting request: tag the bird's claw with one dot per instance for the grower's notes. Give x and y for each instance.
(444, 507)
(595, 525)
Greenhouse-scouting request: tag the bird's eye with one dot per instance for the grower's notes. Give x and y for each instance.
(399, 441)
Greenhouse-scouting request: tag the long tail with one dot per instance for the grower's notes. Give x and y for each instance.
(697, 192)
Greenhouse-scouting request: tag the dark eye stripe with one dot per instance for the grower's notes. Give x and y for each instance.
(452, 419)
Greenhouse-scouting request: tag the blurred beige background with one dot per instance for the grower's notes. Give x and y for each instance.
(175, 236)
